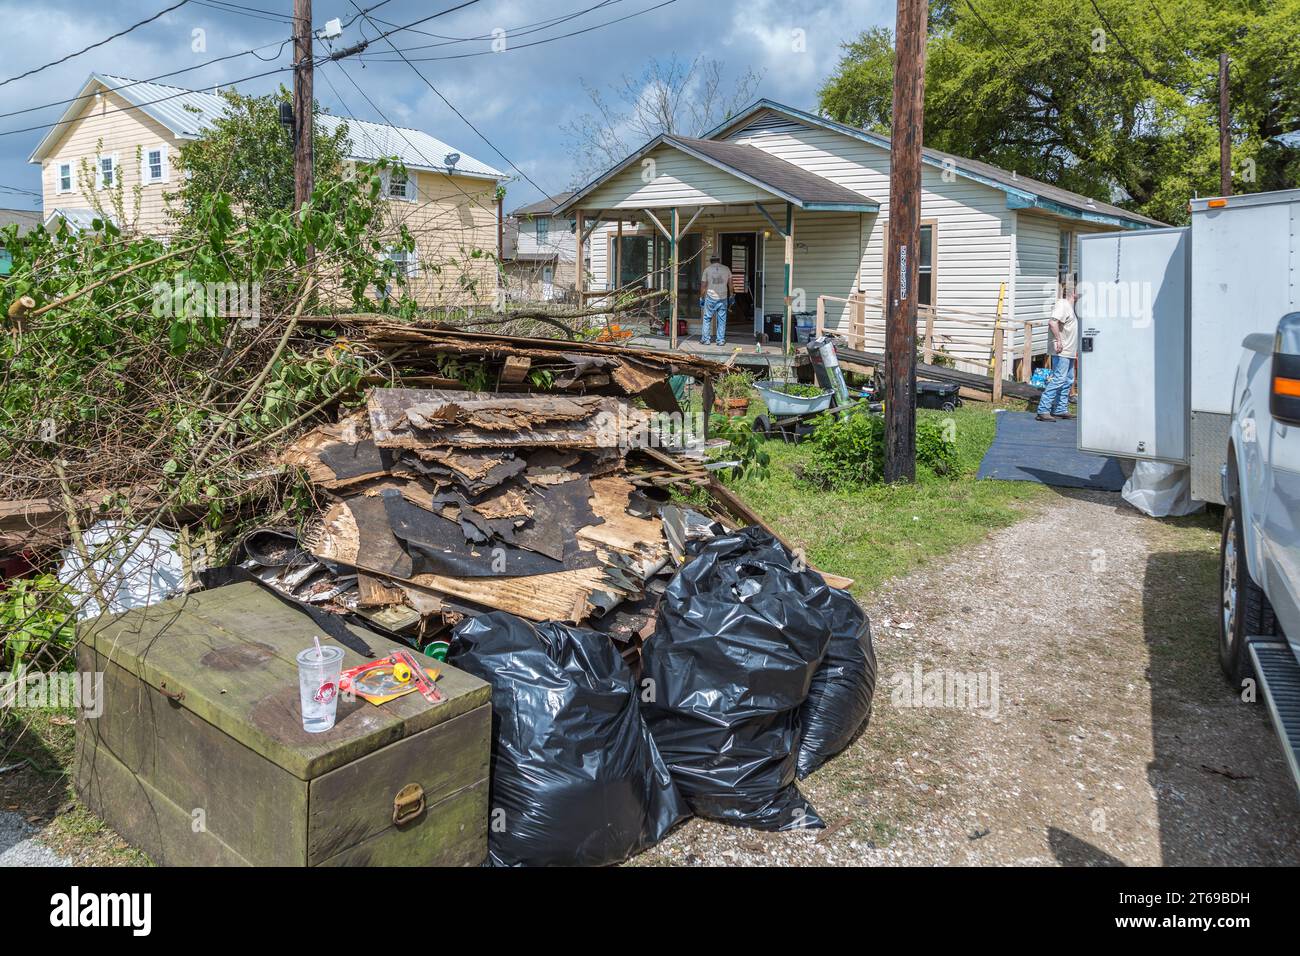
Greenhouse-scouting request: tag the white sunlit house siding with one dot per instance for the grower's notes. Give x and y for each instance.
(989, 234)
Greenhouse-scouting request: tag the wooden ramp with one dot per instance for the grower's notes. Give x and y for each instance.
(855, 360)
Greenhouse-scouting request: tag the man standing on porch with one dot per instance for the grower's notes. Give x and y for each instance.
(715, 293)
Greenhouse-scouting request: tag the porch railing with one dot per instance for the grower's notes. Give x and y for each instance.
(865, 316)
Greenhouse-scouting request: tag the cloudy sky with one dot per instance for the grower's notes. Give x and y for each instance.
(519, 97)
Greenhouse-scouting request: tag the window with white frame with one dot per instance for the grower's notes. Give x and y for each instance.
(407, 262)
(543, 227)
(155, 165)
(107, 172)
(65, 177)
(400, 186)
(1065, 258)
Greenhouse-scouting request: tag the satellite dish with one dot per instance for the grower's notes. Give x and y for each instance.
(451, 159)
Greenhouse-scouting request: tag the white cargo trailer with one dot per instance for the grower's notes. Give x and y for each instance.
(1162, 314)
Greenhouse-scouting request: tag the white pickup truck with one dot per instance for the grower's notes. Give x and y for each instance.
(1259, 631)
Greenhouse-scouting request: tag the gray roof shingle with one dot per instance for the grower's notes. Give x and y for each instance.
(773, 173)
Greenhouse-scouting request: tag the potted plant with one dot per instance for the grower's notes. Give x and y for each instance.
(731, 394)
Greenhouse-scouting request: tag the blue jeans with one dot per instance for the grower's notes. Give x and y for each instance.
(1056, 397)
(715, 309)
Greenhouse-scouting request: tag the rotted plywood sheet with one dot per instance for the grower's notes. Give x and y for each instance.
(341, 455)
(415, 419)
(561, 596)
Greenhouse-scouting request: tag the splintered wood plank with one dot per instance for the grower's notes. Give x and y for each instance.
(561, 595)
(373, 592)
(515, 368)
(639, 537)
(341, 454)
(416, 419)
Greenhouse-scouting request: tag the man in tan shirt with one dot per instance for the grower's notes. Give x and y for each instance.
(715, 296)
(1064, 325)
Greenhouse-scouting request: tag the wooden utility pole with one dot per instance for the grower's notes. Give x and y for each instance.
(302, 103)
(906, 128)
(1225, 143)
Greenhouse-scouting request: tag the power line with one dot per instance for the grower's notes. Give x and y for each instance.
(182, 92)
(521, 46)
(357, 16)
(161, 76)
(1147, 74)
(253, 12)
(521, 30)
(137, 106)
(198, 66)
(99, 43)
(462, 116)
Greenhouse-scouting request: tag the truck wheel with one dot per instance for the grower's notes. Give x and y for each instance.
(1245, 609)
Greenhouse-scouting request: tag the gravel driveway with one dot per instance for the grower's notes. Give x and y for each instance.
(1104, 733)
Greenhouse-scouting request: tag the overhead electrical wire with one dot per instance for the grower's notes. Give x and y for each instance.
(99, 43)
(513, 47)
(521, 30)
(451, 107)
(136, 106)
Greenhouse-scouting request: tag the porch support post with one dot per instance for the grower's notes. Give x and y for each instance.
(618, 256)
(579, 273)
(789, 275)
(672, 246)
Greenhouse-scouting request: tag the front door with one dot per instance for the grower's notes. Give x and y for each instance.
(739, 253)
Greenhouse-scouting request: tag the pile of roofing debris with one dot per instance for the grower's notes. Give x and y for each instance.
(554, 505)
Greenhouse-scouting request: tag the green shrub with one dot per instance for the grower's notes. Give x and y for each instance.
(849, 452)
(800, 390)
(745, 447)
(36, 626)
(936, 449)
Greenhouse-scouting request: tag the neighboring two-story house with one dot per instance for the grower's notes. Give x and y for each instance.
(120, 137)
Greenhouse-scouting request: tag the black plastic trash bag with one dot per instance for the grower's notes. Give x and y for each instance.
(839, 701)
(576, 778)
(738, 640)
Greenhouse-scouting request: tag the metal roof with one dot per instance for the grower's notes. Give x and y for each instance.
(1021, 190)
(189, 113)
(78, 217)
(27, 219)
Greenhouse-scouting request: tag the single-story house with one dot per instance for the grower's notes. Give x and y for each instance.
(993, 243)
(118, 134)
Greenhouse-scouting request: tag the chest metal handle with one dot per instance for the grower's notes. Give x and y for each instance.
(408, 804)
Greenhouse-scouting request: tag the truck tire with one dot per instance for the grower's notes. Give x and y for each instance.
(1244, 607)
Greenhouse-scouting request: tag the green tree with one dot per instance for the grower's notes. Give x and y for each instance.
(1105, 97)
(248, 155)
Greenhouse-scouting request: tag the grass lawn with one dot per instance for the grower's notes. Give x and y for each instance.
(884, 530)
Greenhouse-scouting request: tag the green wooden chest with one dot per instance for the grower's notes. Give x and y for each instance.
(199, 757)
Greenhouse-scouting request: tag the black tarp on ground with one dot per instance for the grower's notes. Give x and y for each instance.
(741, 632)
(1047, 452)
(576, 777)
